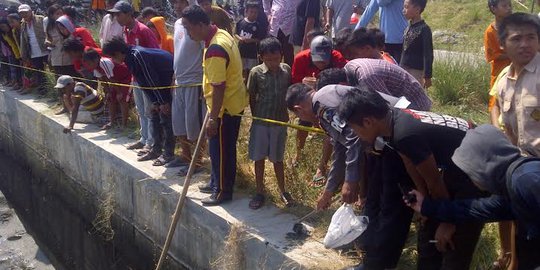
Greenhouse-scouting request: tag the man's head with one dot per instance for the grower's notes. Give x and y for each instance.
(331, 76)
(271, 52)
(299, 102)
(116, 49)
(179, 6)
(14, 20)
(65, 83)
(123, 12)
(413, 8)
(206, 5)
(4, 26)
(196, 22)
(519, 37)
(315, 32)
(74, 48)
(340, 41)
(363, 43)
(252, 10)
(500, 8)
(91, 59)
(148, 13)
(321, 51)
(366, 113)
(26, 12)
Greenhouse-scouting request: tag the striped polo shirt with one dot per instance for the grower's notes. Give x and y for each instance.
(90, 99)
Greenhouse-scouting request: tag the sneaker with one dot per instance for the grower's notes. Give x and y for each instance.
(287, 199)
(207, 189)
(214, 200)
(137, 145)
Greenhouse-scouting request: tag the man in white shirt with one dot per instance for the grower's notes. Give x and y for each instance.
(110, 28)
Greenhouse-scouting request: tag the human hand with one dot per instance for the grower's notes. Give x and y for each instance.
(417, 205)
(324, 200)
(67, 130)
(211, 127)
(443, 236)
(349, 192)
(327, 27)
(427, 83)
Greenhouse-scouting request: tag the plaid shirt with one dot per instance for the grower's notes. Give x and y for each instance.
(267, 92)
(390, 79)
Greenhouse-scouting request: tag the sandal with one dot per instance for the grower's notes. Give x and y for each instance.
(287, 199)
(177, 162)
(106, 126)
(257, 201)
(184, 170)
(318, 180)
(162, 160)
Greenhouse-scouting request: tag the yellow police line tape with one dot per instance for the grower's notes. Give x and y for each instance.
(105, 82)
(275, 122)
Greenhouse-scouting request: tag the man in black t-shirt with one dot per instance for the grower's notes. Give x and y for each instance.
(425, 142)
(249, 33)
(308, 15)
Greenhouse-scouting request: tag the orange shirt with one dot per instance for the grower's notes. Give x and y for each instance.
(493, 52)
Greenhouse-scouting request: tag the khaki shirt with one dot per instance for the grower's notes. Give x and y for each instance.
(519, 100)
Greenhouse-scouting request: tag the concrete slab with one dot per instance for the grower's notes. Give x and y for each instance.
(146, 196)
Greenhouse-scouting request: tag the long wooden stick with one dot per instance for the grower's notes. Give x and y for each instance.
(182, 199)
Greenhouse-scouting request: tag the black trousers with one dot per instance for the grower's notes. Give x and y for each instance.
(395, 50)
(528, 252)
(389, 217)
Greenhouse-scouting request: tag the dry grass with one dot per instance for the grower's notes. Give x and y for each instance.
(232, 256)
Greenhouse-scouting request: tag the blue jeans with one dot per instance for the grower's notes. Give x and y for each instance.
(144, 119)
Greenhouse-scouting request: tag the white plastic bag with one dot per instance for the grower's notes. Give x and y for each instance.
(344, 227)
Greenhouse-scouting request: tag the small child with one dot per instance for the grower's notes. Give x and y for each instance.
(248, 33)
(495, 55)
(106, 70)
(15, 56)
(267, 85)
(417, 56)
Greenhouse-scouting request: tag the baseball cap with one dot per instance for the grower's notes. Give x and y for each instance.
(321, 48)
(121, 6)
(63, 81)
(24, 7)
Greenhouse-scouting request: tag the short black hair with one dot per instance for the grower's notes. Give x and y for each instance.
(112, 2)
(115, 45)
(202, 1)
(91, 55)
(315, 32)
(71, 12)
(419, 3)
(378, 36)
(252, 4)
(518, 19)
(195, 14)
(296, 93)
(362, 37)
(14, 16)
(342, 36)
(149, 11)
(331, 76)
(269, 45)
(72, 45)
(361, 103)
(492, 4)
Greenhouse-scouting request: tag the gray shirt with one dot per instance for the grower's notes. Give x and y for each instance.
(343, 10)
(347, 146)
(187, 56)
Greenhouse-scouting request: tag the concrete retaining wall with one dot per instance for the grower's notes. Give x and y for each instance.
(145, 197)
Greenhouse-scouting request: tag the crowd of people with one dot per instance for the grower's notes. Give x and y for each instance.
(366, 88)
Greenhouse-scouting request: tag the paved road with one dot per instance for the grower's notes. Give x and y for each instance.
(18, 250)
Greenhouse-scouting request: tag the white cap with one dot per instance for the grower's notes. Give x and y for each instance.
(24, 7)
(63, 81)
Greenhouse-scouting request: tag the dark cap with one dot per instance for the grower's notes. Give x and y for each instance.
(321, 48)
(121, 6)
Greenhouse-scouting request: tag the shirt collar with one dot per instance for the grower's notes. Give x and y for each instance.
(213, 31)
(135, 28)
(265, 69)
(530, 67)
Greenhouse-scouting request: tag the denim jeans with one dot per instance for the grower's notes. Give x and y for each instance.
(144, 120)
(162, 133)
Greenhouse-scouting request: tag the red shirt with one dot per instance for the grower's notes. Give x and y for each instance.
(304, 67)
(84, 36)
(141, 35)
(118, 73)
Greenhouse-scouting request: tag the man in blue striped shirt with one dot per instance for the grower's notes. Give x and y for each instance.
(150, 68)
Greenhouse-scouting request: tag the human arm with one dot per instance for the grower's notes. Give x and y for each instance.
(313, 10)
(298, 68)
(252, 90)
(368, 14)
(86, 37)
(493, 51)
(336, 175)
(215, 70)
(427, 41)
(329, 15)
(490, 209)
(495, 113)
(76, 101)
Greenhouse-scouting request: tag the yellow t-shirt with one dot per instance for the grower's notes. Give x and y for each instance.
(222, 64)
